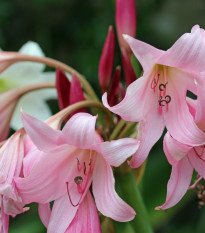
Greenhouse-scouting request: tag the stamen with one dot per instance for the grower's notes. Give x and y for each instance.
(167, 99)
(154, 81)
(198, 155)
(78, 164)
(78, 180)
(84, 168)
(162, 86)
(90, 162)
(74, 205)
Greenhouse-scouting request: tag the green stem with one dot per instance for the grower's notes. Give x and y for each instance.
(131, 194)
(117, 129)
(57, 64)
(63, 114)
(127, 129)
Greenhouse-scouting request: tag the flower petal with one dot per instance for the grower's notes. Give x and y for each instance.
(62, 215)
(198, 162)
(200, 108)
(149, 131)
(136, 102)
(79, 131)
(43, 187)
(11, 157)
(44, 211)
(178, 183)
(117, 151)
(174, 150)
(4, 219)
(106, 198)
(145, 53)
(86, 219)
(179, 121)
(42, 135)
(187, 52)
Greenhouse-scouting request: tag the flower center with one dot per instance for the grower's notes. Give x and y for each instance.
(84, 169)
(159, 85)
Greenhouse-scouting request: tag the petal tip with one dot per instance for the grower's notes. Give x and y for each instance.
(125, 36)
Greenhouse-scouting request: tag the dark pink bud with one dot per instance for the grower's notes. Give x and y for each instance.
(127, 68)
(125, 18)
(76, 93)
(107, 60)
(115, 92)
(63, 89)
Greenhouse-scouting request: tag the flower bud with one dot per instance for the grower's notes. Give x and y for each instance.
(107, 60)
(76, 93)
(116, 89)
(125, 18)
(63, 89)
(127, 68)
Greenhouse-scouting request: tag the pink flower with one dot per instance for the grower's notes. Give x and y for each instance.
(158, 99)
(11, 158)
(107, 61)
(184, 158)
(70, 161)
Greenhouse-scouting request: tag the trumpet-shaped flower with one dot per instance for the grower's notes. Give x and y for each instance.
(158, 99)
(11, 159)
(23, 74)
(70, 161)
(184, 158)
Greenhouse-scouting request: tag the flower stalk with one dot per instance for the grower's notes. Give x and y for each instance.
(129, 187)
(57, 64)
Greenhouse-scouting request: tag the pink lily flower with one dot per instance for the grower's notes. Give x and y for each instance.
(184, 158)
(71, 160)
(158, 98)
(107, 60)
(11, 159)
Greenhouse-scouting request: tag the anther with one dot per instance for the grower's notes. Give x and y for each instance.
(78, 164)
(78, 180)
(84, 168)
(154, 81)
(162, 86)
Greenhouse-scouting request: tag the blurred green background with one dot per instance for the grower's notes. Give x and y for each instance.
(73, 31)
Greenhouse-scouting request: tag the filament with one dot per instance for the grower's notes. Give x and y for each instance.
(74, 205)
(199, 156)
